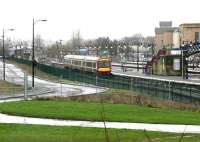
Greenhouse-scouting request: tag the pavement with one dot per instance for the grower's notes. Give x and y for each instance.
(195, 129)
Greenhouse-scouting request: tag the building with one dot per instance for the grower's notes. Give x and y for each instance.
(171, 62)
(176, 39)
(189, 32)
(164, 35)
(167, 36)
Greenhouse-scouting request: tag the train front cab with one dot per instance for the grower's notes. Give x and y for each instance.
(104, 66)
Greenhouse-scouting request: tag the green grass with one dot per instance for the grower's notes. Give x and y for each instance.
(7, 88)
(92, 111)
(38, 133)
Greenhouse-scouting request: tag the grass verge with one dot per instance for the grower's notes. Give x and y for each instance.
(38, 133)
(92, 111)
(120, 96)
(7, 88)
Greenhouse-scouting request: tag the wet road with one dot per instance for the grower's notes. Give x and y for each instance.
(16, 75)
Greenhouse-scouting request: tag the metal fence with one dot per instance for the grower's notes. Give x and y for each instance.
(16, 84)
(171, 90)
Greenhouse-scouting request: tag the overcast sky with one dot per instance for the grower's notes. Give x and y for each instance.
(94, 18)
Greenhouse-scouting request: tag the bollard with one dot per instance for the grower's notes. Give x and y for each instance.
(25, 87)
(169, 85)
(61, 85)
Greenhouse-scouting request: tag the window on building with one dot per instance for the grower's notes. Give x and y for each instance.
(162, 44)
(176, 64)
(196, 36)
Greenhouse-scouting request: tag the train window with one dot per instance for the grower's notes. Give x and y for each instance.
(74, 62)
(84, 64)
(79, 63)
(103, 64)
(94, 65)
(89, 64)
(67, 61)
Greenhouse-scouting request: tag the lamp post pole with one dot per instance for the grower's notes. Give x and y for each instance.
(21, 50)
(33, 51)
(138, 58)
(61, 51)
(182, 64)
(3, 58)
(33, 55)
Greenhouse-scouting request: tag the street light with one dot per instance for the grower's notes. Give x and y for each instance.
(111, 51)
(138, 58)
(33, 49)
(60, 53)
(183, 60)
(61, 50)
(98, 50)
(4, 30)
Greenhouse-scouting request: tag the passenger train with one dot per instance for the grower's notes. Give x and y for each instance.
(101, 65)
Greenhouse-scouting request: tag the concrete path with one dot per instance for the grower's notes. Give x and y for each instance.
(115, 125)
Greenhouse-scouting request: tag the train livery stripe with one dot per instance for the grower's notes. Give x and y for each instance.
(104, 69)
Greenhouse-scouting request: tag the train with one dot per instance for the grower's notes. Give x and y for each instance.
(100, 65)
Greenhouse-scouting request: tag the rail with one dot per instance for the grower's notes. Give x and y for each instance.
(129, 65)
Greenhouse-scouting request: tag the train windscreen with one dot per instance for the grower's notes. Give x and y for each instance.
(104, 64)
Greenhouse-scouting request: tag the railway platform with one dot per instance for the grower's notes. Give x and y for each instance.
(192, 78)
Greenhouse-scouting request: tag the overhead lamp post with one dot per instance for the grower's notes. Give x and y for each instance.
(98, 50)
(20, 49)
(61, 50)
(138, 58)
(59, 53)
(183, 69)
(33, 49)
(4, 30)
(111, 51)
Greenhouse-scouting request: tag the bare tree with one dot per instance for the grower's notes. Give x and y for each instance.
(52, 51)
(136, 39)
(76, 41)
(40, 50)
(149, 41)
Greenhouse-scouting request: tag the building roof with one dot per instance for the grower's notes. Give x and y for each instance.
(165, 24)
(190, 25)
(161, 30)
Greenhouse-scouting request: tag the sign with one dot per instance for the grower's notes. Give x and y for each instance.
(176, 64)
(175, 52)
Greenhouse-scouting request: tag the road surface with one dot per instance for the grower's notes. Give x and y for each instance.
(16, 75)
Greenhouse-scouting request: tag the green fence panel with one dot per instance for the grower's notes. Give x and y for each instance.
(180, 92)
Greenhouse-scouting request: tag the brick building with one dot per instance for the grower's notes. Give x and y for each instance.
(164, 35)
(189, 32)
(167, 36)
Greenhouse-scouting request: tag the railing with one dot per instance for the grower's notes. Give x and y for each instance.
(167, 89)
